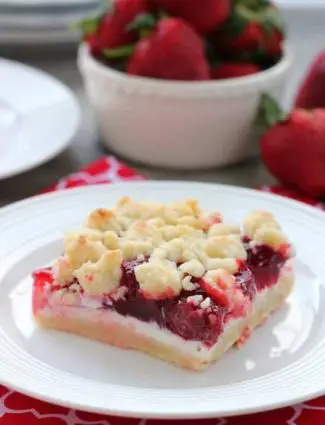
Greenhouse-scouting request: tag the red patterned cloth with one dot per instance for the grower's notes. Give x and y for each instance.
(278, 190)
(17, 409)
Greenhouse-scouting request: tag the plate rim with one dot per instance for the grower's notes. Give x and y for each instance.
(104, 186)
(208, 413)
(65, 142)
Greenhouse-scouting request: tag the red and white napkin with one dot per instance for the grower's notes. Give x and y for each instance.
(17, 409)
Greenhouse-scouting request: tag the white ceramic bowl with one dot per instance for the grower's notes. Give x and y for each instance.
(181, 125)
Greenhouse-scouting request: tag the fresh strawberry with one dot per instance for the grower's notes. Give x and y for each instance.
(311, 94)
(257, 27)
(173, 51)
(233, 70)
(248, 39)
(271, 43)
(111, 29)
(203, 15)
(293, 148)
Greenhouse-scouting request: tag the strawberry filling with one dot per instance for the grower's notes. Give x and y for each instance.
(202, 321)
(265, 264)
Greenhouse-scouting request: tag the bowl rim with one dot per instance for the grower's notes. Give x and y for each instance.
(88, 64)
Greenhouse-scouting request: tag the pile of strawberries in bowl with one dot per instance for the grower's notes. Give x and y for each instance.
(187, 40)
(177, 83)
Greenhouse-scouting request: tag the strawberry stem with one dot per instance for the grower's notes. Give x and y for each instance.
(144, 21)
(162, 15)
(265, 15)
(88, 26)
(119, 52)
(270, 112)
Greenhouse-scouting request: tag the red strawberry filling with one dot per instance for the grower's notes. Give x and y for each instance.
(200, 321)
(194, 323)
(265, 264)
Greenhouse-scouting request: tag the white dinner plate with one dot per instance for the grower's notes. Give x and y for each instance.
(38, 117)
(283, 363)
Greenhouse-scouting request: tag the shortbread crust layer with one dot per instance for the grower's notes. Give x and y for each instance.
(129, 333)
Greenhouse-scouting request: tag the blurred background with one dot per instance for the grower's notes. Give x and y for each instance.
(46, 27)
(43, 34)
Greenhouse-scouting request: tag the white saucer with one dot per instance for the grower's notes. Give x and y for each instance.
(282, 364)
(39, 117)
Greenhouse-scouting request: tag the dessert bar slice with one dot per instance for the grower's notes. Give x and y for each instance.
(167, 280)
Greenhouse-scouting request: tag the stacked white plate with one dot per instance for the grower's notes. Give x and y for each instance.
(42, 21)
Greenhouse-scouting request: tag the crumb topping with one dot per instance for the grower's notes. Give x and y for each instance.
(103, 276)
(221, 286)
(255, 220)
(102, 219)
(225, 246)
(178, 242)
(270, 236)
(79, 249)
(220, 229)
(159, 279)
(188, 284)
(62, 271)
(193, 268)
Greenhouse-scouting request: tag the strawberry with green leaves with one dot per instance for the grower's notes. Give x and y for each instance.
(171, 50)
(203, 15)
(253, 26)
(293, 147)
(110, 30)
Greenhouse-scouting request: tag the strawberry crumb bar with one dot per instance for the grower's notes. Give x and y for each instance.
(166, 280)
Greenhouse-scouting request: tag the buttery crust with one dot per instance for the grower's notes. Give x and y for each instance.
(120, 335)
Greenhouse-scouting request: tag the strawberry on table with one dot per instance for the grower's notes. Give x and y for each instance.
(311, 94)
(293, 147)
(203, 15)
(173, 51)
(227, 70)
(111, 29)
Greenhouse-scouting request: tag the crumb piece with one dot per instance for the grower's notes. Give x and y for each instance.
(80, 250)
(62, 271)
(221, 229)
(225, 246)
(102, 277)
(270, 236)
(158, 279)
(195, 299)
(229, 264)
(134, 248)
(103, 219)
(257, 219)
(111, 240)
(188, 285)
(193, 268)
(206, 303)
